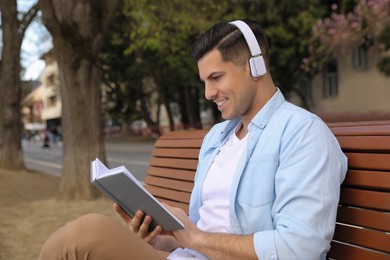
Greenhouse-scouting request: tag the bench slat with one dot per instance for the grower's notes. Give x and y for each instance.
(180, 143)
(365, 199)
(379, 129)
(365, 143)
(176, 153)
(179, 196)
(187, 175)
(174, 163)
(346, 251)
(183, 206)
(169, 183)
(358, 123)
(373, 219)
(363, 237)
(185, 134)
(369, 161)
(368, 179)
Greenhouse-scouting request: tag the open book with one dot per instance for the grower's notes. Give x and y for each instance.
(123, 188)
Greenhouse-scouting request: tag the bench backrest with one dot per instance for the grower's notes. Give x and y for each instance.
(363, 219)
(172, 166)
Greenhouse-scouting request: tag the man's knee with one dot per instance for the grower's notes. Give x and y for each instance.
(90, 221)
(81, 233)
(95, 236)
(86, 225)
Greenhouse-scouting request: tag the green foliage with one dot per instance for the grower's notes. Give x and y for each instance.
(384, 38)
(153, 39)
(288, 25)
(384, 66)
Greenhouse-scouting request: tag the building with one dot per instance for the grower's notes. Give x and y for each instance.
(42, 107)
(32, 110)
(349, 88)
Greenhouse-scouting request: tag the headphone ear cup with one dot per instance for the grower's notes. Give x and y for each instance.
(257, 66)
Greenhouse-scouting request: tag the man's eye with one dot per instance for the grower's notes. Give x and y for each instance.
(215, 78)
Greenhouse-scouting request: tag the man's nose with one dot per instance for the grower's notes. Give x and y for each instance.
(210, 91)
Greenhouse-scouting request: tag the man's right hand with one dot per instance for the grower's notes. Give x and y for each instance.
(139, 224)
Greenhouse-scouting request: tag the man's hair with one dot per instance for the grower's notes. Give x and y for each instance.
(230, 42)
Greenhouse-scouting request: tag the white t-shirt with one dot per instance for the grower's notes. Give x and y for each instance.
(214, 213)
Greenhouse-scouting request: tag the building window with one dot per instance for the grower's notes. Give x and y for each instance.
(50, 79)
(330, 80)
(306, 88)
(359, 58)
(51, 101)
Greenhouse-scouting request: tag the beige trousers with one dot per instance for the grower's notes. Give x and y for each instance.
(97, 237)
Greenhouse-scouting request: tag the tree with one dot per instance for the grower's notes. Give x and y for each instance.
(78, 29)
(11, 156)
(158, 35)
(153, 39)
(128, 94)
(288, 26)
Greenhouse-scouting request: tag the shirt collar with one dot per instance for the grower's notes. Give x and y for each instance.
(262, 117)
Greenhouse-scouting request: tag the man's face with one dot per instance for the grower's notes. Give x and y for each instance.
(229, 86)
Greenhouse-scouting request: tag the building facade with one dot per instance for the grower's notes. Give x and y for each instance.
(42, 107)
(349, 88)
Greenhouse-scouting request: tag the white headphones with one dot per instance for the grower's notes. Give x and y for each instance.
(256, 62)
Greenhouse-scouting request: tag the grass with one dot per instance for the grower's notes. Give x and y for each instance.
(29, 212)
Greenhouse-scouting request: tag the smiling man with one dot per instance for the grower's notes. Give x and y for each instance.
(268, 180)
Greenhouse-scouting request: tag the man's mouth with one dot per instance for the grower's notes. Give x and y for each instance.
(220, 102)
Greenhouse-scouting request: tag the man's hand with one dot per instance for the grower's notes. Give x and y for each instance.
(212, 245)
(190, 232)
(139, 224)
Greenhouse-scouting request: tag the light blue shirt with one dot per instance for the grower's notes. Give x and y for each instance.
(286, 188)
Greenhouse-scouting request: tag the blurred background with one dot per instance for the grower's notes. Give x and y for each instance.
(327, 56)
(78, 73)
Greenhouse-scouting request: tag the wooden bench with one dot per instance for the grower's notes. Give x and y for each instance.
(363, 219)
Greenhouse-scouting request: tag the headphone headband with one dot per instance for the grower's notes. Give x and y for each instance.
(256, 62)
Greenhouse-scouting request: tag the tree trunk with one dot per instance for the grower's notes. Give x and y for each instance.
(192, 107)
(78, 29)
(164, 99)
(145, 114)
(11, 156)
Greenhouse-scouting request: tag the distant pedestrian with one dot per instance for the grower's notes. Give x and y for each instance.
(46, 140)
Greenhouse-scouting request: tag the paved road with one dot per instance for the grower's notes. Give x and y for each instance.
(134, 155)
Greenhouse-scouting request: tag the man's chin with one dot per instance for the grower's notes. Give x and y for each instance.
(228, 117)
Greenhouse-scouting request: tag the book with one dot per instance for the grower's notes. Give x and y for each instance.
(120, 185)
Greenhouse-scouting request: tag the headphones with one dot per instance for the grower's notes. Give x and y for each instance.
(256, 62)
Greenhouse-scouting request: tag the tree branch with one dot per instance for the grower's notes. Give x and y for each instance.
(28, 17)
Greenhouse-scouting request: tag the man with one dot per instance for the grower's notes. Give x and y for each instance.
(268, 180)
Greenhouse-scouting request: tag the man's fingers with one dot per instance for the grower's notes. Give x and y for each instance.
(139, 224)
(143, 229)
(156, 231)
(136, 222)
(122, 213)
